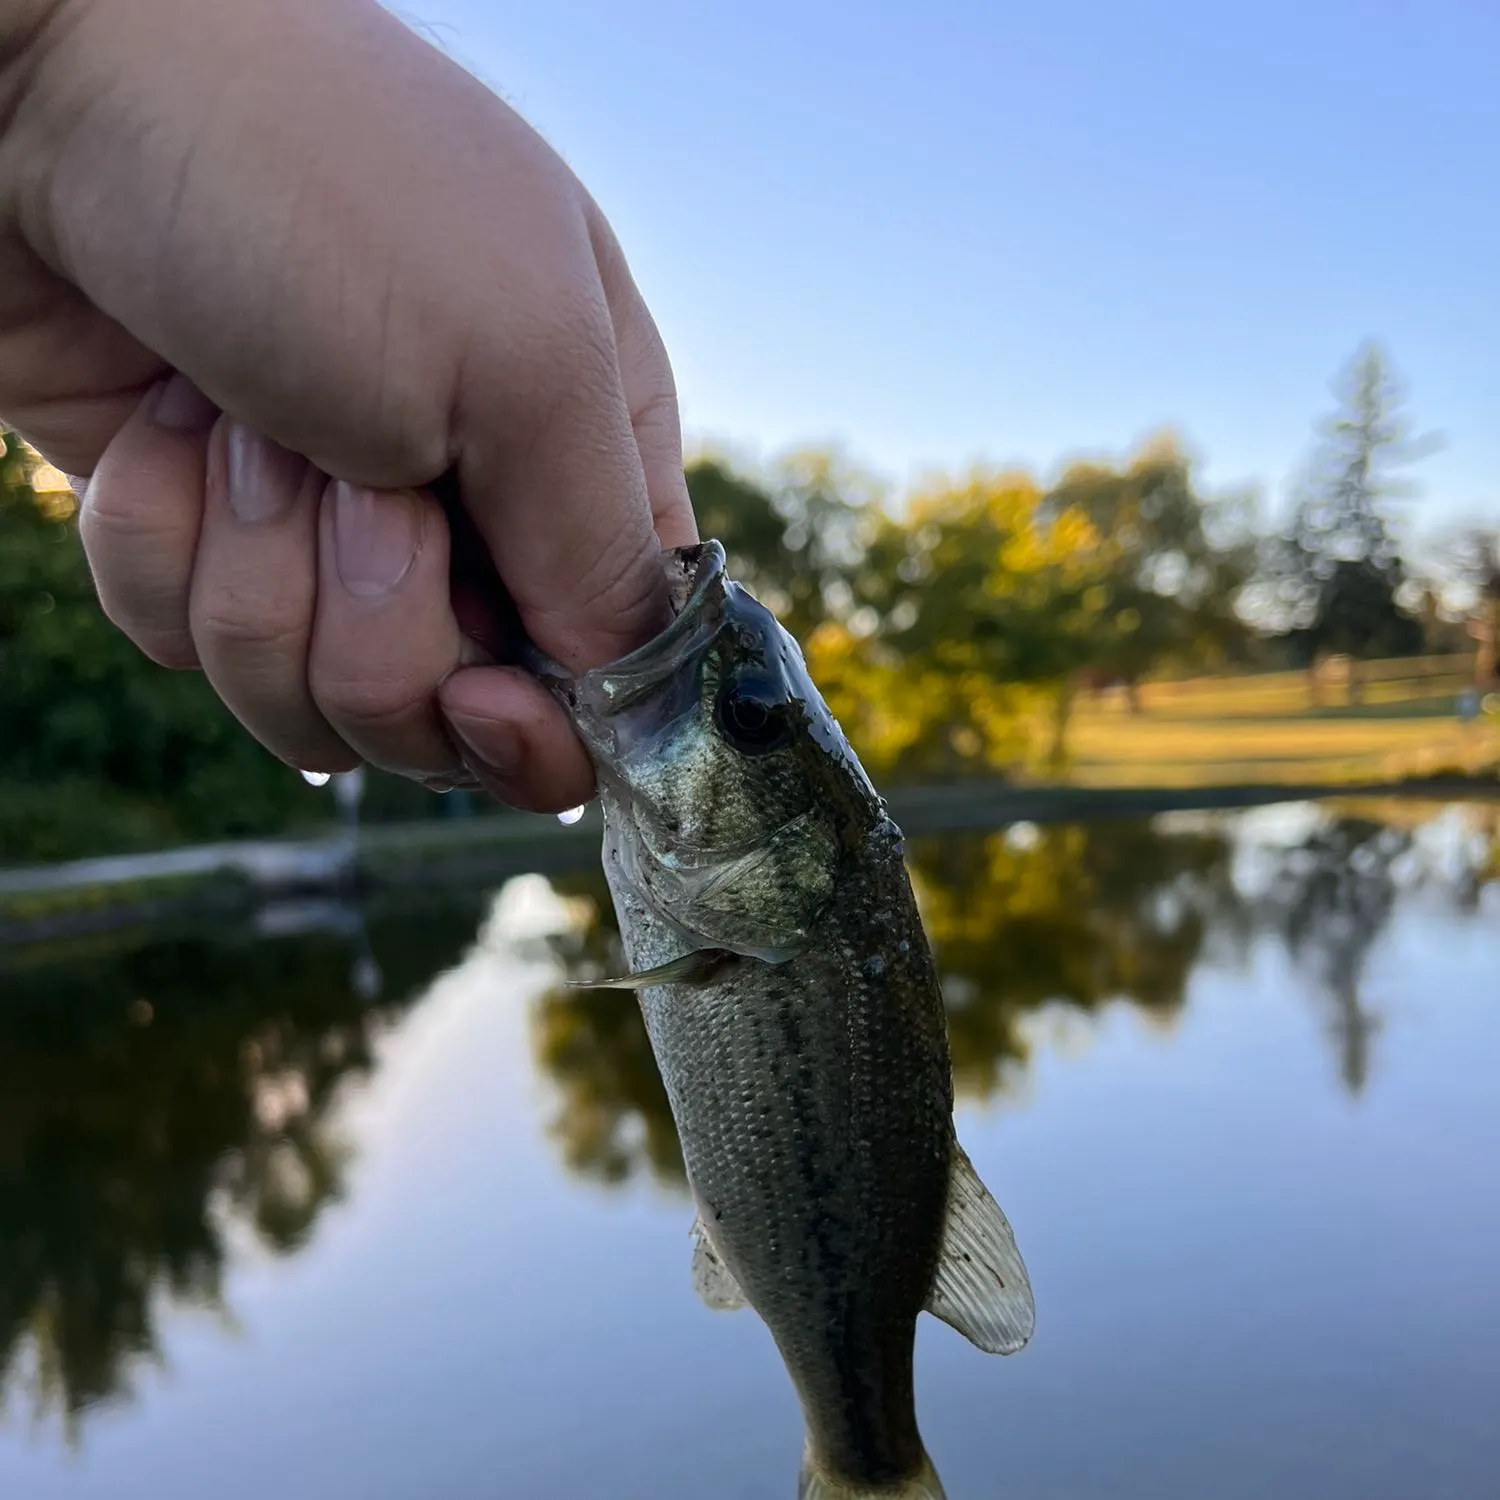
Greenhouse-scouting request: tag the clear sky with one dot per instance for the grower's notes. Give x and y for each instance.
(939, 232)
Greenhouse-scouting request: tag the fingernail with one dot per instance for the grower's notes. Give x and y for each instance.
(263, 477)
(180, 406)
(502, 753)
(375, 538)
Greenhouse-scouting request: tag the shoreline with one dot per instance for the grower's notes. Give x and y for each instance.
(228, 880)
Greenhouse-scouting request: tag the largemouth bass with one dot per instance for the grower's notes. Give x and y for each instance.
(794, 1011)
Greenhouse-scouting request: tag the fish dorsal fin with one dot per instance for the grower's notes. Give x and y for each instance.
(981, 1287)
(712, 1279)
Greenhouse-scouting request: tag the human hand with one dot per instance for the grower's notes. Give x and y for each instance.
(267, 273)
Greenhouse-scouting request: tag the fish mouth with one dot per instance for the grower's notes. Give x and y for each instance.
(699, 591)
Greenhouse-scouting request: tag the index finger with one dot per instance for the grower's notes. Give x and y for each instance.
(559, 495)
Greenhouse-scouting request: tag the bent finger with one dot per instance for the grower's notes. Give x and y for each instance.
(384, 634)
(140, 519)
(559, 494)
(516, 740)
(254, 595)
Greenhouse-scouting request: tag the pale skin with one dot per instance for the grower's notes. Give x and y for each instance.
(269, 271)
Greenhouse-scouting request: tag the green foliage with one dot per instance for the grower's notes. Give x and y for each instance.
(949, 638)
(797, 537)
(103, 750)
(950, 633)
(1174, 563)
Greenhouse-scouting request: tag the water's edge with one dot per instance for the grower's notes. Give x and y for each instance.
(233, 879)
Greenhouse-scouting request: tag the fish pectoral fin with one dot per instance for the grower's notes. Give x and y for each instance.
(697, 967)
(712, 1279)
(981, 1287)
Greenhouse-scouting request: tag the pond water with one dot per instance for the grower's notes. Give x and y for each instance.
(365, 1204)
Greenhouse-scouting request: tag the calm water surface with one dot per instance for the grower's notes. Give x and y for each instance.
(366, 1205)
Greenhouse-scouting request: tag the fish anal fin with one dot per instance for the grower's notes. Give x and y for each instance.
(981, 1287)
(712, 1280)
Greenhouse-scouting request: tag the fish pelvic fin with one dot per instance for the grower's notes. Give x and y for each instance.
(818, 1484)
(712, 1280)
(981, 1287)
(696, 968)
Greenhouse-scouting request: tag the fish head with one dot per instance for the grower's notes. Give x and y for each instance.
(731, 797)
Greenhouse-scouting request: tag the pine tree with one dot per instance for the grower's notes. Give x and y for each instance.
(1338, 567)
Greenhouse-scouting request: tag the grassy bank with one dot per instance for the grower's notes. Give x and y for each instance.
(1400, 720)
(1210, 743)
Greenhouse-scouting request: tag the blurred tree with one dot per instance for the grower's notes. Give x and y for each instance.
(1478, 560)
(796, 536)
(104, 750)
(740, 513)
(1458, 575)
(1487, 631)
(1338, 571)
(108, 750)
(949, 640)
(1172, 562)
(971, 614)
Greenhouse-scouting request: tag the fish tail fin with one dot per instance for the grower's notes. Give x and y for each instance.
(817, 1484)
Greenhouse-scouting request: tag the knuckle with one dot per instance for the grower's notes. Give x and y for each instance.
(373, 705)
(621, 590)
(154, 617)
(657, 412)
(112, 515)
(172, 650)
(237, 628)
(628, 582)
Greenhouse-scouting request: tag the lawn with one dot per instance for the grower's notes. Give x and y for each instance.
(1271, 727)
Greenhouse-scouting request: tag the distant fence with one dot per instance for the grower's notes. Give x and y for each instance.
(1384, 669)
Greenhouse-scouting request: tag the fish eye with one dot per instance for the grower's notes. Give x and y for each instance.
(751, 713)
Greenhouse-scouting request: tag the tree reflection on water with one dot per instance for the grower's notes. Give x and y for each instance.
(614, 1117)
(1080, 916)
(152, 1102)
(160, 1102)
(1073, 916)
(1329, 901)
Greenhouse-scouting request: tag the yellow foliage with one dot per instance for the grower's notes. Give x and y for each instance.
(905, 713)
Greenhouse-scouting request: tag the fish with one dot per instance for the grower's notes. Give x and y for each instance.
(779, 960)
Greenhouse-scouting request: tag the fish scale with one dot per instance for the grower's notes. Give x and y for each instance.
(794, 1012)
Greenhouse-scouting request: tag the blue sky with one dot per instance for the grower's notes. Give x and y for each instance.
(954, 231)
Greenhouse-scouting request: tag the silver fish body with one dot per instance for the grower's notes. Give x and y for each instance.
(795, 1015)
